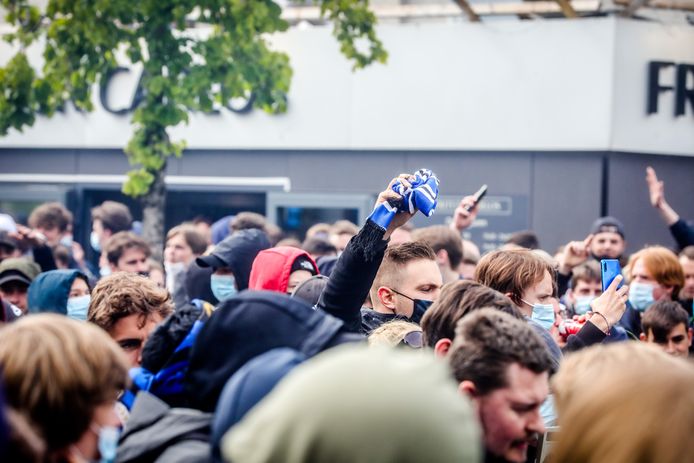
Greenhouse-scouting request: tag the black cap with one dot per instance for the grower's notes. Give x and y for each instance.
(303, 263)
(6, 240)
(311, 289)
(607, 225)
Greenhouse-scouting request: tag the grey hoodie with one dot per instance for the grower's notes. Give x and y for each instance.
(158, 433)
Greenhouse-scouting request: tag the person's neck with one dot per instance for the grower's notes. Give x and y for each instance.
(382, 310)
(448, 274)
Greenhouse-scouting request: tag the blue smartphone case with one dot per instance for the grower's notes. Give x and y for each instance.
(609, 269)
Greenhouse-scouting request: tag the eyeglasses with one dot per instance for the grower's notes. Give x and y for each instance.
(413, 339)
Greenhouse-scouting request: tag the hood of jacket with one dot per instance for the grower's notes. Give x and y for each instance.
(237, 252)
(248, 386)
(50, 290)
(272, 267)
(156, 432)
(354, 404)
(251, 324)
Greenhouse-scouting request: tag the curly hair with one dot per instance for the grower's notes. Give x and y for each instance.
(122, 294)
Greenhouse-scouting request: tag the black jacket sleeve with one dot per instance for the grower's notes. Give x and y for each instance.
(586, 336)
(683, 233)
(43, 256)
(353, 275)
(563, 283)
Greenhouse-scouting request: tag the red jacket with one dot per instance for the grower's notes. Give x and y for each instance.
(272, 267)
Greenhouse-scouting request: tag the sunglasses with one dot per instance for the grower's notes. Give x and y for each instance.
(413, 339)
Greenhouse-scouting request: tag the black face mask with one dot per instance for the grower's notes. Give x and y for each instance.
(419, 308)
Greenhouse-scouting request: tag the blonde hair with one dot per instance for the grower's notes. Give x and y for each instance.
(57, 371)
(392, 333)
(624, 403)
(662, 264)
(580, 370)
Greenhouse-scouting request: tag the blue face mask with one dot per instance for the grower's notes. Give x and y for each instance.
(77, 307)
(94, 242)
(66, 241)
(640, 295)
(582, 305)
(108, 443)
(223, 286)
(543, 314)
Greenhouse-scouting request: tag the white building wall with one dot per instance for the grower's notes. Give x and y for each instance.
(529, 85)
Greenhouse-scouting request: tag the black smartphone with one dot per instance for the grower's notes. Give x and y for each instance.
(609, 269)
(477, 197)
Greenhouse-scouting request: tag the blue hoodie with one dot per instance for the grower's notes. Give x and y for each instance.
(247, 387)
(50, 290)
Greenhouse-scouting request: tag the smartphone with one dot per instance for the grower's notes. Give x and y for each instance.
(477, 197)
(609, 269)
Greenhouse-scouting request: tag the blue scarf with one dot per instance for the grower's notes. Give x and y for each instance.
(421, 197)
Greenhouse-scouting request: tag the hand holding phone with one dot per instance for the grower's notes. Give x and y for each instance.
(477, 197)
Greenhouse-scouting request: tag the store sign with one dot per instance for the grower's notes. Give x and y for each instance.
(681, 87)
(115, 104)
(499, 217)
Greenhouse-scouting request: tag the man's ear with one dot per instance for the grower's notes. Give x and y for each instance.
(442, 347)
(468, 388)
(386, 297)
(442, 258)
(690, 332)
(643, 337)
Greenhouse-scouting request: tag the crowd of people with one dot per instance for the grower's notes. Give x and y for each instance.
(383, 343)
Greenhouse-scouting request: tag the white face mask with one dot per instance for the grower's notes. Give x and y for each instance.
(172, 270)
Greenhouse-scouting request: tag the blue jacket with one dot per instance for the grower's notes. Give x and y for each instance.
(247, 387)
(50, 290)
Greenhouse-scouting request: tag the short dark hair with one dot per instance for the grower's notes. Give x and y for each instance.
(396, 257)
(113, 216)
(588, 271)
(456, 300)
(49, 216)
(247, 220)
(661, 317)
(688, 252)
(318, 246)
(442, 237)
(120, 242)
(526, 239)
(488, 341)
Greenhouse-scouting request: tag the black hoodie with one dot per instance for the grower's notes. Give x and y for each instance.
(251, 324)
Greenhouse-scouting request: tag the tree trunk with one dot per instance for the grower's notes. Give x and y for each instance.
(153, 207)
